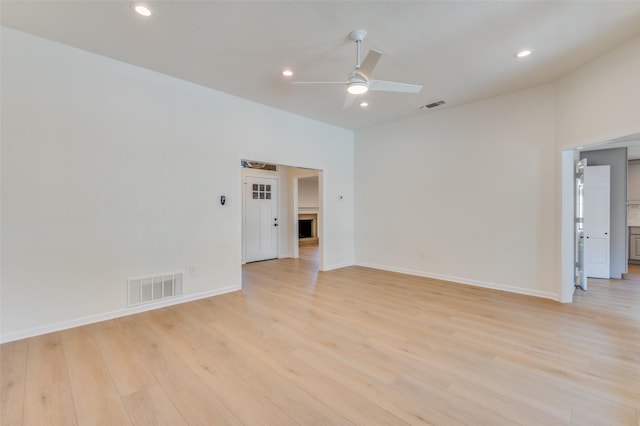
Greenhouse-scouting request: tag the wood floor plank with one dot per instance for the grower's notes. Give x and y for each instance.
(49, 404)
(95, 396)
(445, 371)
(405, 409)
(349, 346)
(598, 415)
(13, 367)
(167, 368)
(199, 406)
(461, 410)
(47, 396)
(302, 406)
(240, 396)
(127, 370)
(151, 406)
(352, 406)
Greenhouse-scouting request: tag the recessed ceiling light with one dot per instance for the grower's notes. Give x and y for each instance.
(523, 53)
(364, 104)
(141, 9)
(287, 73)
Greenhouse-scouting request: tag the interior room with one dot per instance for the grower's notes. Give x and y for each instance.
(154, 268)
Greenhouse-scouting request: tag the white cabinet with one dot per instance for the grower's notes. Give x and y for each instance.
(634, 243)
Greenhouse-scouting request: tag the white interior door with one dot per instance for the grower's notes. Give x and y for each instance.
(597, 220)
(260, 218)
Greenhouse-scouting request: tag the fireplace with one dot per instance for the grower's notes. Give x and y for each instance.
(308, 227)
(305, 228)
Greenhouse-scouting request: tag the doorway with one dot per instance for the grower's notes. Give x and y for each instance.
(307, 216)
(308, 190)
(618, 238)
(272, 225)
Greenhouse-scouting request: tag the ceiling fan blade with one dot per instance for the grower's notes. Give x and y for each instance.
(318, 82)
(348, 101)
(369, 63)
(392, 86)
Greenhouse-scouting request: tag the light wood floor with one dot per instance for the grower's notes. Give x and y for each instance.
(634, 272)
(350, 346)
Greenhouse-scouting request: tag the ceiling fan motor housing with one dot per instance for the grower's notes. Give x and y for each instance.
(357, 85)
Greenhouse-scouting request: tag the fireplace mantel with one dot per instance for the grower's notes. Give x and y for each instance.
(307, 210)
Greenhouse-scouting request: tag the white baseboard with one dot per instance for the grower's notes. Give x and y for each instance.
(465, 281)
(338, 266)
(91, 319)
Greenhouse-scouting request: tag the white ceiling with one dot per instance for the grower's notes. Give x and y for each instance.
(459, 51)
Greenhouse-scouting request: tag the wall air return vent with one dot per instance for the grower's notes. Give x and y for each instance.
(153, 288)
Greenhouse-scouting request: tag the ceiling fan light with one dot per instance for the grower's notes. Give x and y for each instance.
(357, 88)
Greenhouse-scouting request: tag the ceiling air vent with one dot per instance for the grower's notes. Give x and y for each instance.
(433, 104)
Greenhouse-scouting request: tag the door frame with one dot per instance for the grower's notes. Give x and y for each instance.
(294, 200)
(567, 220)
(568, 158)
(294, 212)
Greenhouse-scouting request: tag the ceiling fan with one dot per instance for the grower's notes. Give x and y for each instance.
(359, 82)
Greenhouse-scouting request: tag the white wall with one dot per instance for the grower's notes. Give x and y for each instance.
(595, 103)
(111, 171)
(601, 100)
(308, 192)
(474, 193)
(465, 194)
